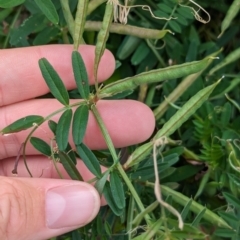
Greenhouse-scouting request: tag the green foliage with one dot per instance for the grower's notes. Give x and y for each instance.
(176, 75)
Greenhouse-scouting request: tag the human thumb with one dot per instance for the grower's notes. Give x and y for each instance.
(35, 208)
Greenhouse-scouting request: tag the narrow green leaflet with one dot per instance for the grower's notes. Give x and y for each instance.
(22, 124)
(63, 128)
(226, 114)
(79, 126)
(75, 234)
(46, 36)
(198, 218)
(5, 13)
(109, 198)
(226, 233)
(140, 54)
(71, 153)
(53, 126)
(231, 14)
(186, 209)
(48, 8)
(188, 231)
(99, 185)
(80, 74)
(10, 3)
(89, 159)
(117, 190)
(19, 36)
(102, 38)
(186, 111)
(229, 217)
(232, 200)
(41, 146)
(54, 82)
(202, 185)
(69, 166)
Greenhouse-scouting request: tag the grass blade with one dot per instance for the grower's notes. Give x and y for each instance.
(54, 82)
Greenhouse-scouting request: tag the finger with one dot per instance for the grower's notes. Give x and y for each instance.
(21, 78)
(41, 167)
(43, 208)
(128, 122)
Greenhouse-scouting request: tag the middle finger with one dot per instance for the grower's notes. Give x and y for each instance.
(120, 118)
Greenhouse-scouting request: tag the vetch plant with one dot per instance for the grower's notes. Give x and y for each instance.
(122, 185)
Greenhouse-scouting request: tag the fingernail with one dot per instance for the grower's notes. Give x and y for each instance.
(70, 205)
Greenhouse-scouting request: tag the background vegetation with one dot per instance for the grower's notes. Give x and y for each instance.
(200, 176)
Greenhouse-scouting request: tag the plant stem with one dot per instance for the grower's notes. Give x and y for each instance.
(173, 11)
(105, 133)
(36, 126)
(11, 26)
(133, 191)
(93, 5)
(118, 165)
(68, 15)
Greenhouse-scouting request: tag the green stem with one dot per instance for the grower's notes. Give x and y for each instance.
(35, 128)
(93, 5)
(54, 162)
(173, 11)
(117, 164)
(11, 26)
(68, 15)
(105, 133)
(130, 214)
(133, 191)
(156, 53)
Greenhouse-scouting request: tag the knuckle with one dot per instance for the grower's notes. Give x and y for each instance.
(13, 212)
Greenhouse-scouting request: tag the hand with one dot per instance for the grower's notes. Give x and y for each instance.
(37, 208)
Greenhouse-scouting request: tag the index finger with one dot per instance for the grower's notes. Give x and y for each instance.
(21, 78)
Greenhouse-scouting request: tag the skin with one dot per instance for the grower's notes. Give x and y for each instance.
(22, 199)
